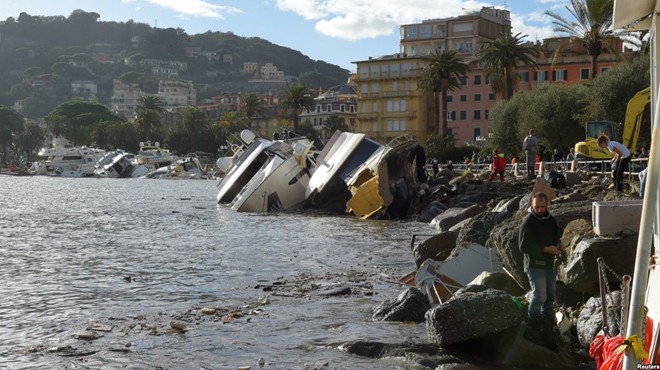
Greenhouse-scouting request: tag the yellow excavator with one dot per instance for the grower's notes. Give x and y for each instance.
(589, 150)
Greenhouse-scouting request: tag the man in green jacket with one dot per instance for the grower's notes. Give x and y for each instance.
(539, 240)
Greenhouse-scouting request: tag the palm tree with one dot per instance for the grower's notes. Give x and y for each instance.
(591, 24)
(251, 106)
(502, 56)
(194, 122)
(11, 123)
(443, 73)
(295, 98)
(149, 116)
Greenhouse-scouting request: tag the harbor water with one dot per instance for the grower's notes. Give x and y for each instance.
(147, 274)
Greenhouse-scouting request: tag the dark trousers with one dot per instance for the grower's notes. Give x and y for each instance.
(618, 170)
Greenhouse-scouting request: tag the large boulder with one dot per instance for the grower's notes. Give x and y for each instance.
(580, 272)
(410, 305)
(479, 228)
(509, 205)
(590, 320)
(472, 315)
(452, 216)
(498, 280)
(430, 211)
(437, 247)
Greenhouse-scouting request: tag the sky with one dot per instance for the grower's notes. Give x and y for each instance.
(336, 31)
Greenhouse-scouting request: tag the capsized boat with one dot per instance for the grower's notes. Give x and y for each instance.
(184, 168)
(119, 164)
(441, 279)
(240, 169)
(385, 186)
(154, 156)
(66, 161)
(341, 156)
(281, 182)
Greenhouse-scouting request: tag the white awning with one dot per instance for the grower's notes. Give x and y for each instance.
(628, 11)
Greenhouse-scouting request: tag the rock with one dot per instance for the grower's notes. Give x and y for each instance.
(420, 355)
(452, 216)
(460, 225)
(342, 290)
(178, 325)
(437, 247)
(590, 319)
(509, 205)
(580, 272)
(433, 209)
(480, 227)
(499, 280)
(472, 315)
(411, 305)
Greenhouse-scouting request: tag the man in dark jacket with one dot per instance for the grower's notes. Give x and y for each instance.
(539, 240)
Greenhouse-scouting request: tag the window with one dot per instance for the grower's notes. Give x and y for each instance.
(364, 88)
(374, 107)
(342, 108)
(463, 115)
(364, 107)
(451, 115)
(477, 114)
(477, 79)
(541, 76)
(463, 97)
(524, 76)
(364, 127)
(375, 87)
(491, 96)
(603, 70)
(488, 114)
(463, 81)
(449, 98)
(477, 97)
(352, 108)
(395, 86)
(412, 32)
(425, 31)
(584, 73)
(318, 109)
(374, 126)
(559, 75)
(328, 108)
(476, 133)
(402, 105)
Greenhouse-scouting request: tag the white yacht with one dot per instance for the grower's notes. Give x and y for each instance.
(154, 156)
(66, 161)
(281, 182)
(342, 155)
(184, 168)
(119, 164)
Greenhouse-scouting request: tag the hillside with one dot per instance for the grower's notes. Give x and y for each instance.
(41, 55)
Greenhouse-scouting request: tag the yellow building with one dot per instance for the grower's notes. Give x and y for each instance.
(389, 102)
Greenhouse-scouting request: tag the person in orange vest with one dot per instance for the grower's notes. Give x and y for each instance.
(499, 166)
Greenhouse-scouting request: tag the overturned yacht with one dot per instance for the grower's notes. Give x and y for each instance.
(266, 175)
(386, 185)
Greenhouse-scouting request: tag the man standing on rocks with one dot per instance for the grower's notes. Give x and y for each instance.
(539, 241)
(531, 147)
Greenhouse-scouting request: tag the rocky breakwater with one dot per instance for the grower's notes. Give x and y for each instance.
(480, 324)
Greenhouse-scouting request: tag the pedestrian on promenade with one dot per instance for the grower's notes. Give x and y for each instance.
(498, 166)
(620, 160)
(531, 147)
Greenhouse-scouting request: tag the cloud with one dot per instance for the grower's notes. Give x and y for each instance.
(195, 8)
(363, 19)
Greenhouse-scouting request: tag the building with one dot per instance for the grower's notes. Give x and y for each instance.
(125, 98)
(84, 89)
(470, 109)
(177, 93)
(389, 102)
(462, 33)
(340, 100)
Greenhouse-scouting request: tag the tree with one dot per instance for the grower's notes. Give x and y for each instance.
(149, 116)
(591, 24)
(74, 119)
(443, 73)
(251, 106)
(295, 98)
(11, 123)
(195, 122)
(30, 140)
(502, 56)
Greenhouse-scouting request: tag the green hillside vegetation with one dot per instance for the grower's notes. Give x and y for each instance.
(80, 47)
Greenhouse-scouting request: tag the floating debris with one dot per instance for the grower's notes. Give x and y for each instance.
(177, 325)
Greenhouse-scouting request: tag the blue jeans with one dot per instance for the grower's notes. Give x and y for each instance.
(544, 286)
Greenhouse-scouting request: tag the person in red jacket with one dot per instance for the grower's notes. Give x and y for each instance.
(499, 166)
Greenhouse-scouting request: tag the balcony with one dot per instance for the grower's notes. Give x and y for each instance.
(392, 94)
(367, 115)
(406, 114)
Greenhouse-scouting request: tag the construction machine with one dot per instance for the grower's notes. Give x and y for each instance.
(589, 150)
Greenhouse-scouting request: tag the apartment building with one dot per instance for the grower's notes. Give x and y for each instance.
(389, 102)
(125, 98)
(340, 100)
(177, 93)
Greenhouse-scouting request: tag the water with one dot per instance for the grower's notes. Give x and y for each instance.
(69, 246)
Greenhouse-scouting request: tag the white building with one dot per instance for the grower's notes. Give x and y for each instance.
(125, 98)
(177, 93)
